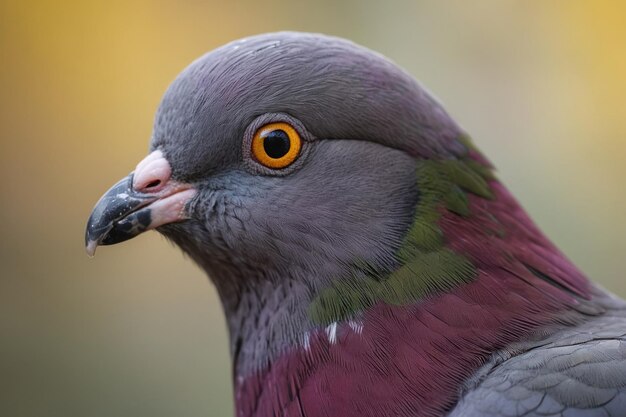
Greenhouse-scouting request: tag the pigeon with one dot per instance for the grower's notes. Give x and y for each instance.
(368, 260)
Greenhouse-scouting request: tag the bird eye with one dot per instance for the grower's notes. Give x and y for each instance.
(276, 145)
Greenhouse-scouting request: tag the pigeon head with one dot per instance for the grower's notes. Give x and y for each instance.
(313, 180)
(282, 151)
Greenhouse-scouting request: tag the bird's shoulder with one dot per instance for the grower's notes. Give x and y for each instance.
(576, 371)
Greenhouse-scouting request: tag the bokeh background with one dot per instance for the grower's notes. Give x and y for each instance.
(138, 331)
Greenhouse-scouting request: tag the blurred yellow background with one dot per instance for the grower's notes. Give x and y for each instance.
(138, 331)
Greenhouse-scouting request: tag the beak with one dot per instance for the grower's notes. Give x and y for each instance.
(144, 200)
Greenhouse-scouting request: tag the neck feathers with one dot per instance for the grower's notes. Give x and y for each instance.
(465, 223)
(472, 276)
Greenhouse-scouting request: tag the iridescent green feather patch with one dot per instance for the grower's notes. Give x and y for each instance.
(427, 266)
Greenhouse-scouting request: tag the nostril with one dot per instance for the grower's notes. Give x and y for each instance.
(152, 174)
(153, 184)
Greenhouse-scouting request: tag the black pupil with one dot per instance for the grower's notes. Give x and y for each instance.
(276, 144)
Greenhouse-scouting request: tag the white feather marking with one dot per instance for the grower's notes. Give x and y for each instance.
(306, 342)
(356, 326)
(331, 331)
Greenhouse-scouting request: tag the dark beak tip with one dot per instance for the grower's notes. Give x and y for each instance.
(103, 224)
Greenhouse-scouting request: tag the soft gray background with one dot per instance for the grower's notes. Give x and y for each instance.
(138, 330)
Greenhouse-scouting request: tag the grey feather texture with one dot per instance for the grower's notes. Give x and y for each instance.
(271, 243)
(576, 372)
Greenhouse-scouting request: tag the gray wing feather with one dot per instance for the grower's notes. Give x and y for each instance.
(577, 372)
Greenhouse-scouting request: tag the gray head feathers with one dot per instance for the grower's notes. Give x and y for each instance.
(337, 89)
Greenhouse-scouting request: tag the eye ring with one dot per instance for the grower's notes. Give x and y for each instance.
(276, 145)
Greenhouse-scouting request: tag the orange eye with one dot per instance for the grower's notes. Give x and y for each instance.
(276, 145)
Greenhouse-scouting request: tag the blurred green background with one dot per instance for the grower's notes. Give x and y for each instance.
(138, 331)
